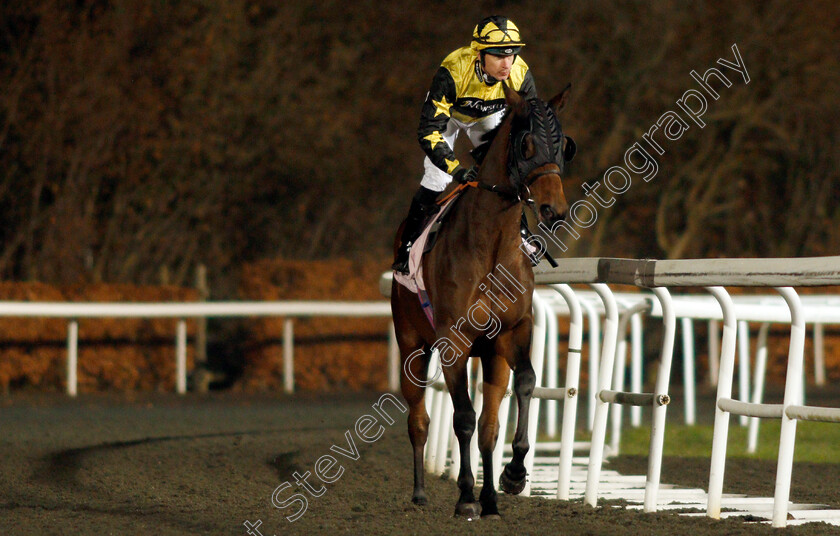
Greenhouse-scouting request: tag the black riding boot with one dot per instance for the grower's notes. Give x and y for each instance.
(422, 206)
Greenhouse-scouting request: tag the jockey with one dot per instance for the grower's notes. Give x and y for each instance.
(466, 96)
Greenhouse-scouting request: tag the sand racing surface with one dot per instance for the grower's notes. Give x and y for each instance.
(206, 464)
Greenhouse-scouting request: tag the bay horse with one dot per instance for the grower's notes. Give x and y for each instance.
(480, 244)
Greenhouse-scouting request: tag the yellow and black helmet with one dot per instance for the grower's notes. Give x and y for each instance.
(497, 35)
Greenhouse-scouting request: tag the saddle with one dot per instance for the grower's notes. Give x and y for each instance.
(413, 281)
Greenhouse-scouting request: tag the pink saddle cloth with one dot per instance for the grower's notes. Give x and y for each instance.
(413, 281)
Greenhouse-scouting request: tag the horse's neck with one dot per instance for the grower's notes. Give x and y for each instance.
(494, 169)
(491, 222)
(492, 217)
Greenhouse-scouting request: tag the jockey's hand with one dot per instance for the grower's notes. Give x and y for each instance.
(463, 175)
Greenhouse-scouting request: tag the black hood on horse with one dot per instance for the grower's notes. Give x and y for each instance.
(543, 131)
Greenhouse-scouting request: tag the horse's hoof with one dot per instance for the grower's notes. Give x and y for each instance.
(512, 483)
(419, 498)
(469, 511)
(490, 511)
(491, 517)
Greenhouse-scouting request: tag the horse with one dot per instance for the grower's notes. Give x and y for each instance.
(475, 262)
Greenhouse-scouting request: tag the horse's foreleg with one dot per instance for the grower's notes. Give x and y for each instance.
(464, 425)
(418, 419)
(512, 479)
(496, 374)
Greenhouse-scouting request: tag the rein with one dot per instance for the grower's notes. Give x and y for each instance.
(506, 191)
(510, 193)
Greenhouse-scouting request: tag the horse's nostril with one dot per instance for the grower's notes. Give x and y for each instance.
(547, 212)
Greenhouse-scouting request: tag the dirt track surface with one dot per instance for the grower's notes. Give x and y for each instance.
(162, 464)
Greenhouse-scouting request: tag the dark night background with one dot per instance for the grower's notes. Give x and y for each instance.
(274, 142)
(140, 138)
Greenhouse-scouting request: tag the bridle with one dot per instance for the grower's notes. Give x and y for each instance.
(550, 145)
(558, 149)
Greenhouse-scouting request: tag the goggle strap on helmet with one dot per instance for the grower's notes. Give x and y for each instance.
(496, 32)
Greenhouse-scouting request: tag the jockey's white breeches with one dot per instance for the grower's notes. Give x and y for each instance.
(436, 179)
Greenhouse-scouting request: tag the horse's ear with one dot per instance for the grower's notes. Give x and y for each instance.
(514, 99)
(558, 102)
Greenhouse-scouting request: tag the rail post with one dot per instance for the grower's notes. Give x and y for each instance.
(758, 389)
(688, 370)
(724, 390)
(538, 339)
(637, 345)
(594, 358)
(288, 356)
(72, 356)
(714, 352)
(793, 395)
(567, 432)
(551, 372)
(605, 373)
(657, 431)
(393, 359)
(743, 366)
(181, 357)
(819, 354)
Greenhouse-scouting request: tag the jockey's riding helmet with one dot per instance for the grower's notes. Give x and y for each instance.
(497, 35)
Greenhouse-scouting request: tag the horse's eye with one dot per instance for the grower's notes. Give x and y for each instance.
(569, 150)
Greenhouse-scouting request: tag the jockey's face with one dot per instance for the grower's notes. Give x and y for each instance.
(498, 66)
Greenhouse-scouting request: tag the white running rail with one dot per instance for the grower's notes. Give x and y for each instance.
(182, 311)
(714, 274)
